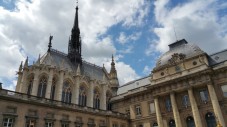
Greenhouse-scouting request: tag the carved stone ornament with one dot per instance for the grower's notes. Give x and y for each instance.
(176, 58)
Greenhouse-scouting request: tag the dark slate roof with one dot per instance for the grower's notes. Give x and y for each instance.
(180, 47)
(60, 60)
(217, 58)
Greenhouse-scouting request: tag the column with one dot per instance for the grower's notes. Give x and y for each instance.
(35, 82)
(90, 95)
(175, 110)
(195, 110)
(59, 86)
(215, 104)
(49, 84)
(158, 112)
(103, 98)
(18, 86)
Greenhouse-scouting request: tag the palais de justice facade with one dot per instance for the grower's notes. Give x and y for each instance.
(187, 88)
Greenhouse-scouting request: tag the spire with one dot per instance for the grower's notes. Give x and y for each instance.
(21, 66)
(26, 63)
(50, 43)
(74, 47)
(113, 69)
(78, 70)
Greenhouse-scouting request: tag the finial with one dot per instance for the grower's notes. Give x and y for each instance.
(112, 58)
(50, 43)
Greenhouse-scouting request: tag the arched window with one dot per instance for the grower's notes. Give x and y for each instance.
(155, 125)
(210, 120)
(172, 123)
(52, 92)
(168, 105)
(190, 122)
(30, 84)
(96, 100)
(42, 87)
(185, 101)
(108, 103)
(82, 96)
(66, 93)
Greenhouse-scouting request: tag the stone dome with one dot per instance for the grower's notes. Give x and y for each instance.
(181, 48)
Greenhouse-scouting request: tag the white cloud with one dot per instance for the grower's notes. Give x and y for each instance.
(123, 39)
(196, 21)
(127, 50)
(28, 27)
(147, 70)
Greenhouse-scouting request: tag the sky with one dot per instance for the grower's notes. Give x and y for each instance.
(136, 32)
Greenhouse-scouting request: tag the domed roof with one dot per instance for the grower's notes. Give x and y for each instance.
(180, 49)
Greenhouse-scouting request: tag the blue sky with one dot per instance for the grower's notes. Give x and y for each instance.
(137, 32)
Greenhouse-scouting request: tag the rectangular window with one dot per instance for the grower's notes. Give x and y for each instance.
(224, 90)
(30, 123)
(152, 108)
(49, 124)
(204, 95)
(8, 122)
(115, 125)
(138, 110)
(64, 125)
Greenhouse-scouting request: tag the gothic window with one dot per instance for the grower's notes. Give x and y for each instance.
(172, 123)
(52, 93)
(138, 110)
(8, 122)
(108, 103)
(66, 93)
(210, 120)
(224, 90)
(168, 105)
(42, 87)
(190, 122)
(185, 101)
(30, 84)
(82, 96)
(96, 100)
(155, 125)
(204, 95)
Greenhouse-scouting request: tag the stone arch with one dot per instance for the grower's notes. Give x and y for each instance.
(210, 119)
(66, 91)
(190, 121)
(108, 97)
(43, 74)
(83, 93)
(43, 79)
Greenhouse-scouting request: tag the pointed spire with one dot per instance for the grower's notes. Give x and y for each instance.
(112, 65)
(26, 62)
(50, 43)
(21, 66)
(78, 70)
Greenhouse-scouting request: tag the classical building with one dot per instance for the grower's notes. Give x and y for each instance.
(187, 88)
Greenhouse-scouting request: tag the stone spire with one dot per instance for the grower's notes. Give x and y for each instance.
(21, 66)
(26, 63)
(74, 47)
(50, 43)
(113, 77)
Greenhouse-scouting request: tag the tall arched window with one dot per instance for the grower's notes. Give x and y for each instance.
(172, 123)
(168, 104)
(30, 84)
(96, 100)
(82, 96)
(108, 103)
(210, 120)
(190, 122)
(66, 93)
(42, 87)
(185, 101)
(52, 93)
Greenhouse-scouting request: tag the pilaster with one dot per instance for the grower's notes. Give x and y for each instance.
(60, 85)
(35, 82)
(103, 97)
(49, 84)
(90, 95)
